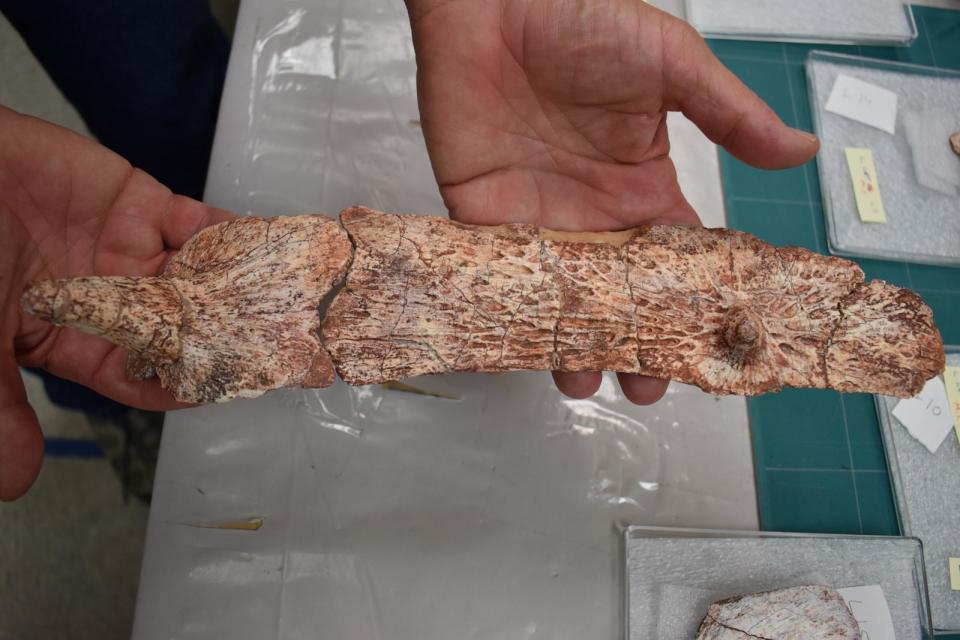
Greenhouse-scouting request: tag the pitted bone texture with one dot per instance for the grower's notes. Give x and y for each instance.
(808, 612)
(237, 311)
(711, 307)
(142, 314)
(251, 291)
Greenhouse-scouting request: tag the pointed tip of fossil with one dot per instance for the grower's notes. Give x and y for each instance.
(141, 314)
(40, 299)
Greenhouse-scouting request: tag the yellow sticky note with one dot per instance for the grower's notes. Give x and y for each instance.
(866, 187)
(951, 380)
(955, 574)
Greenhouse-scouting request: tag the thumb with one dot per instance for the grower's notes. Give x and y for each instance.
(21, 442)
(729, 113)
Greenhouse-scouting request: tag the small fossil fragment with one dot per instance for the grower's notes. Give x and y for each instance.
(955, 142)
(237, 312)
(808, 613)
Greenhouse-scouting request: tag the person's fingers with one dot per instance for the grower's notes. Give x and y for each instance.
(581, 384)
(110, 379)
(729, 113)
(146, 222)
(99, 365)
(186, 217)
(682, 213)
(21, 442)
(641, 389)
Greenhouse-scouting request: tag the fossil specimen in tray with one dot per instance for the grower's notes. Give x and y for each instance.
(808, 612)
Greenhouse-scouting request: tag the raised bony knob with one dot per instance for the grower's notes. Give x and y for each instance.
(742, 334)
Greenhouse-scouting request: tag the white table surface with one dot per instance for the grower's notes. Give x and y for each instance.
(391, 515)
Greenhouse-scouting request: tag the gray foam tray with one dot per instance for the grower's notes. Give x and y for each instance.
(673, 575)
(923, 225)
(876, 22)
(926, 487)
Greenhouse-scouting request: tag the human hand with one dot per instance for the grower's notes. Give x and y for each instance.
(70, 207)
(553, 112)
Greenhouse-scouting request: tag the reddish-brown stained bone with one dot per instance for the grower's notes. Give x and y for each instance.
(716, 308)
(869, 347)
(711, 307)
(235, 313)
(142, 314)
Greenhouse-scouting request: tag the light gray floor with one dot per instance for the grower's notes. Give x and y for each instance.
(70, 555)
(70, 550)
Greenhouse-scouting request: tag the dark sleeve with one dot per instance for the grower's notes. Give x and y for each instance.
(145, 76)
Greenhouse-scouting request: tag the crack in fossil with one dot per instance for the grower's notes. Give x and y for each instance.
(738, 630)
(512, 319)
(789, 282)
(555, 358)
(391, 333)
(831, 337)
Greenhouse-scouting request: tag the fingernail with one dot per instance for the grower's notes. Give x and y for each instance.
(806, 135)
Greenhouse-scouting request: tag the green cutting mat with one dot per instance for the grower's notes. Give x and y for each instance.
(819, 458)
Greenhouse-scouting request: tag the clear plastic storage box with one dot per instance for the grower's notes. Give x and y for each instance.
(917, 173)
(926, 486)
(873, 22)
(673, 575)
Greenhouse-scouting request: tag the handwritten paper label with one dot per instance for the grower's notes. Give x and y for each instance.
(866, 188)
(863, 102)
(869, 607)
(954, 573)
(951, 380)
(926, 415)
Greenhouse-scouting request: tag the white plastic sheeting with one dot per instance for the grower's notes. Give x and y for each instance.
(488, 512)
